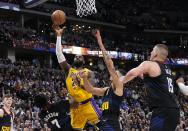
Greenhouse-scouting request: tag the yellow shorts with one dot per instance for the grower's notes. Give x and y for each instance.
(88, 112)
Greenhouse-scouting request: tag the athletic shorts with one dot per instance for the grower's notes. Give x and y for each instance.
(164, 119)
(87, 112)
(110, 123)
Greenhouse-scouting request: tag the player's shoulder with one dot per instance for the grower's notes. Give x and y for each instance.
(1, 112)
(146, 63)
(149, 63)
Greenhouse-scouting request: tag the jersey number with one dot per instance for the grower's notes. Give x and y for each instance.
(55, 122)
(76, 81)
(4, 128)
(170, 86)
(105, 105)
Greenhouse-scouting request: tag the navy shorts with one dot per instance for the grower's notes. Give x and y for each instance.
(110, 124)
(164, 119)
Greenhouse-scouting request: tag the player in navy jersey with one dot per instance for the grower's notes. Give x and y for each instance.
(112, 96)
(111, 102)
(159, 84)
(56, 114)
(6, 115)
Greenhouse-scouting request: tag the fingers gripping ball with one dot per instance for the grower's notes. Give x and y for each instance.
(58, 17)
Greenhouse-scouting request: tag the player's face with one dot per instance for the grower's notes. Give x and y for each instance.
(7, 101)
(78, 60)
(153, 53)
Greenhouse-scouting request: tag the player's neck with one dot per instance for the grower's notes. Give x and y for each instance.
(158, 59)
(6, 108)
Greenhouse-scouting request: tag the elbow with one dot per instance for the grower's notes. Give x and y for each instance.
(57, 54)
(90, 90)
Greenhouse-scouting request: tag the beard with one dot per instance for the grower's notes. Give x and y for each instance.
(78, 64)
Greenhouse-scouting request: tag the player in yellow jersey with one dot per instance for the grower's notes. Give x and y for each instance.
(87, 110)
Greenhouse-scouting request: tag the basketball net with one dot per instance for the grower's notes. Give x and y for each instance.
(85, 7)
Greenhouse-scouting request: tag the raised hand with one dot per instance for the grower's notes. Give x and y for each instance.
(58, 30)
(98, 34)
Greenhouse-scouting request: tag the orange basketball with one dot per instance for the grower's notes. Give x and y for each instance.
(58, 17)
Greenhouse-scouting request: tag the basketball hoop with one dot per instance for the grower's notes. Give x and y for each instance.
(85, 7)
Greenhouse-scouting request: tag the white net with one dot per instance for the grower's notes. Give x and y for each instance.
(85, 7)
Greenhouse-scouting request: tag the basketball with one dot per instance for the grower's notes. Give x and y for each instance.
(58, 17)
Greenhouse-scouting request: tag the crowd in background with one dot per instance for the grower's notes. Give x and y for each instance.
(139, 16)
(154, 14)
(13, 35)
(25, 79)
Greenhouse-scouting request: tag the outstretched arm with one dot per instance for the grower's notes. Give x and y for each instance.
(60, 57)
(89, 88)
(136, 72)
(109, 62)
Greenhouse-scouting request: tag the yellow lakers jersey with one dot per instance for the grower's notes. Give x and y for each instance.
(75, 89)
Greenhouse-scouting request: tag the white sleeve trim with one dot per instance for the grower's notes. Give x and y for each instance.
(183, 88)
(59, 54)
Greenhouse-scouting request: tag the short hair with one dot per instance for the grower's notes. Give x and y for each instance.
(40, 100)
(7, 96)
(163, 49)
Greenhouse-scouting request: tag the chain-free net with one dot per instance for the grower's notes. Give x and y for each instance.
(85, 7)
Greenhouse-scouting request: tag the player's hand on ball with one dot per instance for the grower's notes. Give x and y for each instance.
(58, 30)
(96, 33)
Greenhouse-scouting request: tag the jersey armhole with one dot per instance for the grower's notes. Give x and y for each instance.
(159, 68)
(69, 72)
(107, 90)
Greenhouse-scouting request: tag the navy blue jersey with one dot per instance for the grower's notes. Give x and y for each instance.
(57, 116)
(5, 121)
(111, 103)
(160, 89)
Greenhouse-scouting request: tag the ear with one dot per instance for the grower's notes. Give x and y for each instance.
(156, 54)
